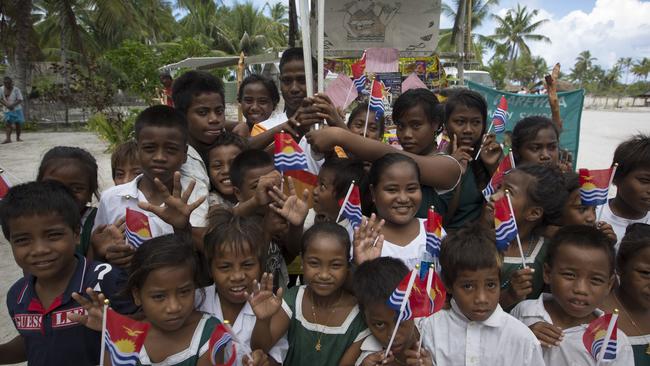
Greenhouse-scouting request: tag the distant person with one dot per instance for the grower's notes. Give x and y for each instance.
(11, 98)
(166, 95)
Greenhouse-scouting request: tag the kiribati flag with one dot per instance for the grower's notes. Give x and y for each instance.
(351, 206)
(288, 155)
(399, 299)
(358, 74)
(376, 102)
(507, 164)
(595, 336)
(137, 227)
(219, 339)
(435, 288)
(434, 230)
(4, 184)
(124, 338)
(500, 116)
(504, 223)
(594, 186)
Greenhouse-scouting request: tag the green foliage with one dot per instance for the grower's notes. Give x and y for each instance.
(498, 71)
(137, 68)
(114, 128)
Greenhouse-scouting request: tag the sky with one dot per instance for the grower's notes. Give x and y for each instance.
(609, 29)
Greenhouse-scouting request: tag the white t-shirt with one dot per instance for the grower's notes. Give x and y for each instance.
(500, 340)
(12, 98)
(618, 223)
(242, 327)
(571, 350)
(412, 253)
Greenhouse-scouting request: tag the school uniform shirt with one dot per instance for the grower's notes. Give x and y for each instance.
(116, 199)
(410, 254)
(194, 168)
(270, 123)
(641, 348)
(619, 224)
(500, 340)
(50, 337)
(242, 326)
(571, 351)
(190, 356)
(304, 335)
(371, 345)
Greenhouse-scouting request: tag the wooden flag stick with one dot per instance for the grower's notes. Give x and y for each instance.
(611, 179)
(345, 200)
(405, 301)
(512, 211)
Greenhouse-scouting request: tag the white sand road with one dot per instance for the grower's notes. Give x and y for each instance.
(600, 133)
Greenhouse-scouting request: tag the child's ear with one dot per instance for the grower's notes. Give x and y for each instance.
(547, 274)
(136, 297)
(534, 213)
(610, 282)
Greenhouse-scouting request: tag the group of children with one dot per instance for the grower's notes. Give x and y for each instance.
(225, 228)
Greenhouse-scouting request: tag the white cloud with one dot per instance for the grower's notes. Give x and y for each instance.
(612, 29)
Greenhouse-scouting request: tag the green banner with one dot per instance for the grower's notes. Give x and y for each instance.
(524, 105)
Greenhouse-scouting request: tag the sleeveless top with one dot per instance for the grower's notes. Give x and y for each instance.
(87, 223)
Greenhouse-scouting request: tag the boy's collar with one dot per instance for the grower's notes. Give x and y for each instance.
(76, 283)
(541, 309)
(130, 190)
(496, 319)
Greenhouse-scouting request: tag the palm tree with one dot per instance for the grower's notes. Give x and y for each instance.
(583, 67)
(625, 63)
(515, 29)
(642, 68)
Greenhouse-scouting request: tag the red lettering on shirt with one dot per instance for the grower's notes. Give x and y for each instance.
(28, 321)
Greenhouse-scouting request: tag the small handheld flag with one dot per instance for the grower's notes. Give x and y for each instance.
(358, 74)
(500, 116)
(399, 301)
(433, 227)
(351, 206)
(137, 228)
(219, 339)
(594, 185)
(504, 223)
(4, 184)
(124, 337)
(376, 102)
(436, 291)
(507, 164)
(601, 334)
(288, 155)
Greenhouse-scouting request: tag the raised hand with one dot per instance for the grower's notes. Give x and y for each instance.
(377, 358)
(94, 307)
(263, 301)
(491, 152)
(521, 283)
(106, 235)
(119, 254)
(176, 211)
(368, 239)
(264, 185)
(547, 334)
(327, 111)
(291, 208)
(461, 153)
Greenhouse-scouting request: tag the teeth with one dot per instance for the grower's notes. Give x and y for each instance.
(226, 181)
(238, 289)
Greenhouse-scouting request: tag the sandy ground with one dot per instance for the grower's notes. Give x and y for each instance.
(600, 133)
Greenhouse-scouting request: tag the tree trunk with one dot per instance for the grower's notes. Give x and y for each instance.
(460, 42)
(293, 23)
(21, 55)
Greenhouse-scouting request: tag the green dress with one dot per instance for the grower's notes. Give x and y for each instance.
(641, 348)
(87, 223)
(197, 348)
(469, 204)
(534, 260)
(303, 335)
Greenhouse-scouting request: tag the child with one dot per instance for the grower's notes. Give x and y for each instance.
(374, 282)
(76, 169)
(253, 176)
(125, 164)
(632, 180)
(579, 269)
(466, 112)
(538, 196)
(395, 187)
(236, 251)
(631, 297)
(161, 135)
(220, 157)
(162, 283)
(332, 186)
(322, 319)
(418, 121)
(41, 222)
(258, 97)
(476, 330)
(357, 122)
(199, 96)
(536, 140)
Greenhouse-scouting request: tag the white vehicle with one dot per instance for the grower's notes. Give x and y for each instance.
(477, 76)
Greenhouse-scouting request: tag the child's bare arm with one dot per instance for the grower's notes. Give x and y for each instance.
(271, 322)
(351, 354)
(13, 351)
(439, 172)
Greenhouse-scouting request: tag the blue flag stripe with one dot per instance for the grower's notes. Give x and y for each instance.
(134, 238)
(118, 358)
